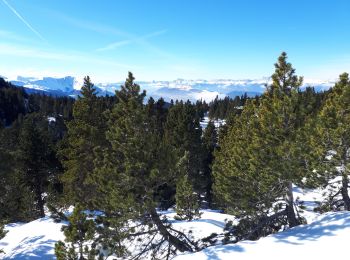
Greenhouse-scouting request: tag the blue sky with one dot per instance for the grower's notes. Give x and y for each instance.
(170, 39)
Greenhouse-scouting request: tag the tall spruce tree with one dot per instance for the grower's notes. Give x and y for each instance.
(79, 235)
(157, 113)
(210, 140)
(236, 182)
(330, 142)
(17, 200)
(36, 158)
(260, 157)
(86, 133)
(138, 163)
(183, 132)
(187, 205)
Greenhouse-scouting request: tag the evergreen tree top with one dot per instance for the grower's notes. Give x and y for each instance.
(343, 81)
(130, 90)
(344, 78)
(88, 90)
(284, 79)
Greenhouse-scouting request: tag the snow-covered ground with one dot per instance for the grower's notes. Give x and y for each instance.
(326, 236)
(211, 221)
(33, 240)
(219, 122)
(36, 239)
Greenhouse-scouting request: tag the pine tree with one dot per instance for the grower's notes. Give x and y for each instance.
(183, 133)
(86, 133)
(280, 118)
(260, 157)
(330, 142)
(79, 235)
(138, 163)
(17, 200)
(235, 179)
(187, 206)
(157, 113)
(2, 235)
(2, 232)
(210, 140)
(12, 102)
(35, 159)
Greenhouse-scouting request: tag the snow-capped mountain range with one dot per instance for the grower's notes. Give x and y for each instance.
(180, 89)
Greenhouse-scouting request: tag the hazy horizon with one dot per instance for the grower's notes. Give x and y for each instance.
(173, 39)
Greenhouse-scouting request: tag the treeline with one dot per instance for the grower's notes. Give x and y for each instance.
(30, 128)
(227, 107)
(104, 150)
(224, 108)
(121, 159)
(15, 103)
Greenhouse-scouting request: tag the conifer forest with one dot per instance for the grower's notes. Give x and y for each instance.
(174, 130)
(116, 162)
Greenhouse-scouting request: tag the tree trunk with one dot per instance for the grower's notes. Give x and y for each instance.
(262, 223)
(39, 199)
(80, 242)
(344, 191)
(81, 255)
(209, 195)
(292, 219)
(179, 244)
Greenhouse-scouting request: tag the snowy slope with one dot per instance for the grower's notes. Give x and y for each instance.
(211, 221)
(326, 238)
(66, 84)
(36, 239)
(33, 240)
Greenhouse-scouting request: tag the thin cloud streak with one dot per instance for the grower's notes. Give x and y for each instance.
(23, 20)
(25, 52)
(11, 36)
(115, 45)
(104, 29)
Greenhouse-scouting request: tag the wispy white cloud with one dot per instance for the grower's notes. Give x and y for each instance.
(15, 38)
(29, 52)
(114, 45)
(136, 40)
(109, 30)
(23, 20)
(11, 36)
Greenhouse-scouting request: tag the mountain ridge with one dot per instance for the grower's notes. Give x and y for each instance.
(180, 89)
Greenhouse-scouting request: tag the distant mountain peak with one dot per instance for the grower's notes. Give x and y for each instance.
(181, 89)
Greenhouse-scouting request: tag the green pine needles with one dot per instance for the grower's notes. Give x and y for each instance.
(259, 157)
(187, 205)
(2, 235)
(79, 235)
